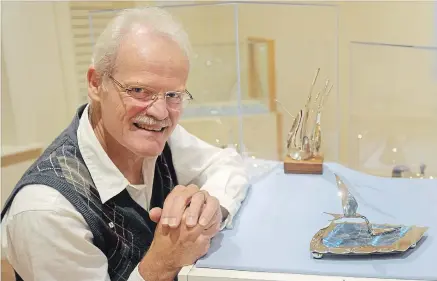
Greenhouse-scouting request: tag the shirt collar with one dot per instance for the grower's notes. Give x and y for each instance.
(107, 178)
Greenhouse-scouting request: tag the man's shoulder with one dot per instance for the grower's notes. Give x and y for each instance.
(39, 198)
(65, 145)
(58, 178)
(39, 214)
(61, 161)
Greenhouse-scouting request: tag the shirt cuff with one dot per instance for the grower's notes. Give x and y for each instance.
(135, 275)
(232, 206)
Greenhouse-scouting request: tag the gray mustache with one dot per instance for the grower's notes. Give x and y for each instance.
(150, 121)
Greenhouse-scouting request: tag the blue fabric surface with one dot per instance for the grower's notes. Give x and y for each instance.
(274, 227)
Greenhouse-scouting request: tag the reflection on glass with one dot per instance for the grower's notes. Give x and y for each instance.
(393, 110)
(258, 69)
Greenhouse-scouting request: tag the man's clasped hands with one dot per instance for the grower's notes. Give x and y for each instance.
(190, 217)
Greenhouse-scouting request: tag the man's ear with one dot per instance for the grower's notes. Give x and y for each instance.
(94, 84)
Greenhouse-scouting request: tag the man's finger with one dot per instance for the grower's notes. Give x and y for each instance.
(196, 205)
(155, 214)
(177, 204)
(205, 243)
(168, 202)
(209, 210)
(214, 226)
(192, 233)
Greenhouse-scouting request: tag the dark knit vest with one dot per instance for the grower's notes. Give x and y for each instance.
(121, 228)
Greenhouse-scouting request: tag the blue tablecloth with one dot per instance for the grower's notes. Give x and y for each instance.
(282, 212)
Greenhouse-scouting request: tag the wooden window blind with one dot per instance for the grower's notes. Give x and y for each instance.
(88, 19)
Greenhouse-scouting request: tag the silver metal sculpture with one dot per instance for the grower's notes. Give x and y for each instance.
(346, 238)
(301, 145)
(316, 135)
(350, 206)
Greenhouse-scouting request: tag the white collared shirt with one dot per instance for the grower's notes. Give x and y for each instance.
(46, 238)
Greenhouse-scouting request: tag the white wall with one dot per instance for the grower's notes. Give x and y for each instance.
(387, 93)
(34, 96)
(33, 66)
(7, 115)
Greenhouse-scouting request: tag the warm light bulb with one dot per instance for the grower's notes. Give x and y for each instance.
(360, 136)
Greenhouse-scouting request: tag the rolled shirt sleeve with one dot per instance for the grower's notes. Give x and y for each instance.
(219, 171)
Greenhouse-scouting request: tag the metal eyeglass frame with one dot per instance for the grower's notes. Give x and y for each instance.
(188, 95)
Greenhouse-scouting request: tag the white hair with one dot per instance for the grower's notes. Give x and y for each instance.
(154, 19)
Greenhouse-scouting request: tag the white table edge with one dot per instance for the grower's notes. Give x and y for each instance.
(192, 273)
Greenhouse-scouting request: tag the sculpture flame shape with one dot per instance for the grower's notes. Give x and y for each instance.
(301, 145)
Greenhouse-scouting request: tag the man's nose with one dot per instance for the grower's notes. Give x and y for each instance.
(158, 109)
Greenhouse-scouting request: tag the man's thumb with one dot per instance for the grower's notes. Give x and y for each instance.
(155, 214)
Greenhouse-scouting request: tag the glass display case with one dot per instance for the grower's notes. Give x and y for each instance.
(243, 65)
(251, 75)
(393, 110)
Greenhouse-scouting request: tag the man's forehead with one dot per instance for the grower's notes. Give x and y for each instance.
(145, 40)
(150, 46)
(152, 59)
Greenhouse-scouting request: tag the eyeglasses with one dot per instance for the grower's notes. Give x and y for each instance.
(173, 98)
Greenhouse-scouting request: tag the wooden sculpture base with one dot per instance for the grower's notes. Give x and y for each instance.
(310, 166)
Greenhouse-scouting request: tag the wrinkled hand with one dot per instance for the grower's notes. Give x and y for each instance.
(174, 248)
(204, 210)
(185, 226)
(197, 206)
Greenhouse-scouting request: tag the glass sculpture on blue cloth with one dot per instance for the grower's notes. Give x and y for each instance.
(343, 238)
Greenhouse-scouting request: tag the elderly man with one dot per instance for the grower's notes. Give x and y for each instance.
(116, 196)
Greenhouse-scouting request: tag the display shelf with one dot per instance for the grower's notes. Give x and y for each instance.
(15, 154)
(248, 107)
